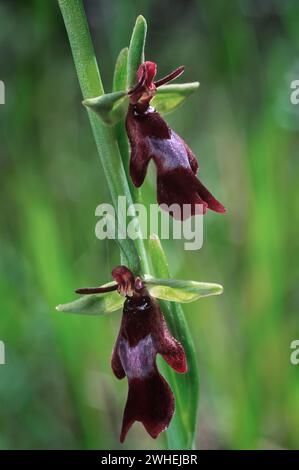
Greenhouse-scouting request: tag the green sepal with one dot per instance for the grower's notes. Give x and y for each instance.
(170, 97)
(94, 304)
(110, 107)
(175, 290)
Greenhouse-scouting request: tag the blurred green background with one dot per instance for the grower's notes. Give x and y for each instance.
(57, 389)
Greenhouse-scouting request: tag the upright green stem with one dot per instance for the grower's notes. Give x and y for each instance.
(182, 430)
(91, 85)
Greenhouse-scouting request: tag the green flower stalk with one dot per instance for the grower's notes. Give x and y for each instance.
(107, 113)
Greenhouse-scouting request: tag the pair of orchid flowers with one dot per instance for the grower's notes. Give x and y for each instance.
(143, 332)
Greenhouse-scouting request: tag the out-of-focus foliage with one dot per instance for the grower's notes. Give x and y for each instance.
(57, 389)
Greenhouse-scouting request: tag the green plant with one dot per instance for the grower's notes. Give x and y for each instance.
(111, 141)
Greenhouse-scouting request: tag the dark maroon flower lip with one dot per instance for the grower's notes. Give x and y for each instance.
(143, 334)
(151, 138)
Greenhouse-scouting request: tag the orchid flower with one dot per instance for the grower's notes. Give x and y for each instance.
(143, 334)
(151, 138)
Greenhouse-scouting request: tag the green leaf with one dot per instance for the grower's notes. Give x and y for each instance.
(120, 83)
(110, 107)
(120, 71)
(170, 97)
(136, 49)
(175, 290)
(95, 304)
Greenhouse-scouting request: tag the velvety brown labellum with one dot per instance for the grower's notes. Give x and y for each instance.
(144, 334)
(151, 138)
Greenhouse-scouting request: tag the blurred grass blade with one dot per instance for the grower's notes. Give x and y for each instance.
(170, 97)
(111, 107)
(181, 432)
(182, 291)
(95, 304)
(121, 70)
(136, 49)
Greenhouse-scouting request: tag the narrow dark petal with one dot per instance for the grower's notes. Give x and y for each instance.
(150, 401)
(171, 76)
(96, 290)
